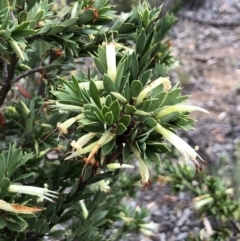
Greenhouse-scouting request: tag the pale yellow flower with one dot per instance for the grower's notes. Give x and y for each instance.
(187, 151)
(42, 193)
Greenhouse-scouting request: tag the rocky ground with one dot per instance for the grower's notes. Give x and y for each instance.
(206, 42)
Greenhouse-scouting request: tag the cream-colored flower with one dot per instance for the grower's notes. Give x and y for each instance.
(105, 138)
(98, 83)
(202, 200)
(82, 141)
(42, 193)
(149, 229)
(114, 166)
(111, 61)
(84, 209)
(63, 127)
(143, 169)
(165, 81)
(16, 208)
(178, 108)
(103, 185)
(187, 151)
(93, 147)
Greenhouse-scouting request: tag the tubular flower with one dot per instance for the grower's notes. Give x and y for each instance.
(102, 185)
(202, 200)
(105, 138)
(114, 166)
(111, 61)
(143, 169)
(78, 145)
(92, 148)
(82, 151)
(179, 108)
(84, 209)
(98, 83)
(42, 193)
(149, 229)
(187, 151)
(63, 127)
(165, 81)
(16, 208)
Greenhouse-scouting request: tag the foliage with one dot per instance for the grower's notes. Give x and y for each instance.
(213, 201)
(74, 130)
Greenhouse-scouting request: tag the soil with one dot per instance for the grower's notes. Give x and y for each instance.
(206, 42)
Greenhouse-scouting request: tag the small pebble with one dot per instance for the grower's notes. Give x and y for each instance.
(181, 236)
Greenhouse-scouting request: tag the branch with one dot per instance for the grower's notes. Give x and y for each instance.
(5, 71)
(26, 73)
(6, 85)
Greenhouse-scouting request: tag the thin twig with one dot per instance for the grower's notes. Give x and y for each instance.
(26, 73)
(5, 71)
(6, 85)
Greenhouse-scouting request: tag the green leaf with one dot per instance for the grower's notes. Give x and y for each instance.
(108, 84)
(100, 66)
(96, 113)
(172, 97)
(129, 109)
(134, 66)
(150, 122)
(2, 168)
(39, 15)
(141, 39)
(55, 30)
(22, 161)
(170, 117)
(121, 98)
(156, 147)
(87, 172)
(24, 176)
(126, 152)
(105, 109)
(14, 226)
(115, 109)
(121, 129)
(4, 4)
(22, 17)
(109, 118)
(145, 76)
(94, 127)
(145, 60)
(23, 33)
(45, 28)
(6, 19)
(73, 189)
(30, 4)
(102, 56)
(154, 157)
(125, 120)
(86, 16)
(119, 76)
(62, 169)
(15, 156)
(16, 48)
(136, 88)
(95, 94)
(108, 147)
(145, 17)
(4, 184)
(108, 101)
(3, 222)
(69, 22)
